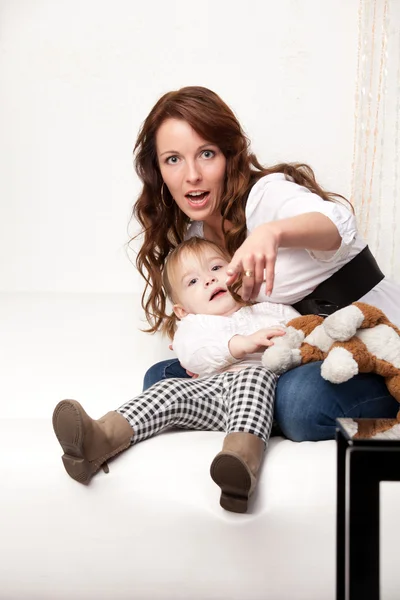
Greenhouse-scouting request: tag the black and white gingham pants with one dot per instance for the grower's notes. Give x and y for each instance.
(233, 401)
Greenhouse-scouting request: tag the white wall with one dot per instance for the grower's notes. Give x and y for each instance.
(77, 78)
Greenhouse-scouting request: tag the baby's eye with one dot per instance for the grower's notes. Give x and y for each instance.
(216, 268)
(192, 281)
(208, 153)
(172, 160)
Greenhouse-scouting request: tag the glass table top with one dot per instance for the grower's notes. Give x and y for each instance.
(380, 430)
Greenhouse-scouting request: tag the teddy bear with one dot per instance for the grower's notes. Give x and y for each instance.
(356, 339)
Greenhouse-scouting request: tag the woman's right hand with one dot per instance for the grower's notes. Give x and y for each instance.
(258, 253)
(255, 259)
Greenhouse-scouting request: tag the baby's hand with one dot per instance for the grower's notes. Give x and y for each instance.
(192, 375)
(261, 339)
(240, 345)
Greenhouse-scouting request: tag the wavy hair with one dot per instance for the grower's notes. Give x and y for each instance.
(163, 223)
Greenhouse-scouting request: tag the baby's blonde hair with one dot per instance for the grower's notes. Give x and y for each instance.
(196, 247)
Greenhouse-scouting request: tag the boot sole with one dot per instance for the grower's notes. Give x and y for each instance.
(232, 475)
(68, 427)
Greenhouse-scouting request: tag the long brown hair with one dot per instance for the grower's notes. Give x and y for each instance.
(163, 223)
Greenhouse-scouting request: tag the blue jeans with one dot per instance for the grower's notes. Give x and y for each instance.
(306, 405)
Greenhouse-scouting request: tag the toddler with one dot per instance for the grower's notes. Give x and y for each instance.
(217, 338)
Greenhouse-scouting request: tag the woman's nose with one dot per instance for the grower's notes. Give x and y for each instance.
(193, 173)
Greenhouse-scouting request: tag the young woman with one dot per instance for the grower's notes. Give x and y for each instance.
(291, 241)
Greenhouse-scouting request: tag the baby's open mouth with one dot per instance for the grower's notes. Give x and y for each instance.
(217, 294)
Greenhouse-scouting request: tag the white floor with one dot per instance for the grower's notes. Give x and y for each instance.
(152, 529)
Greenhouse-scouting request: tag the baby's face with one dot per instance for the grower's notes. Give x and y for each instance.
(199, 285)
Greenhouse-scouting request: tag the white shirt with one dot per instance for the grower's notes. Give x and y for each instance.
(299, 271)
(201, 342)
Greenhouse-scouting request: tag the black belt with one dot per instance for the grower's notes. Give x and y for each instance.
(349, 284)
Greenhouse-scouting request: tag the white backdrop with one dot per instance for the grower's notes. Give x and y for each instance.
(77, 78)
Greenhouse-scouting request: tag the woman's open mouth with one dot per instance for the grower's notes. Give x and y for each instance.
(197, 199)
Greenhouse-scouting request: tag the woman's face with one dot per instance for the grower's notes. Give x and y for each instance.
(192, 169)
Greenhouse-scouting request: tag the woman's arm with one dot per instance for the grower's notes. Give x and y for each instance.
(313, 231)
(283, 214)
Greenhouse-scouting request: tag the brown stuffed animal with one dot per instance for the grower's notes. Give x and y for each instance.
(356, 339)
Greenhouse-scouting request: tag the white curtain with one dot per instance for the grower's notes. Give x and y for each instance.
(376, 164)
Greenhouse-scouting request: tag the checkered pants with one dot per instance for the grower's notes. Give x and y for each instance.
(234, 401)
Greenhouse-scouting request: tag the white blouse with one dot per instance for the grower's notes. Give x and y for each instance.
(201, 342)
(298, 271)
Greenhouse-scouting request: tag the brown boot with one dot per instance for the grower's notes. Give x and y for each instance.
(235, 469)
(87, 443)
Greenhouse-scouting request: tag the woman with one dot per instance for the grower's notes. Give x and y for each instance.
(199, 178)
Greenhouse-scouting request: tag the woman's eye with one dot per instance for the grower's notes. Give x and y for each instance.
(208, 153)
(192, 281)
(172, 160)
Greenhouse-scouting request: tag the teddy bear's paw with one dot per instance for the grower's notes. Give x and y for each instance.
(292, 338)
(279, 359)
(339, 366)
(343, 323)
